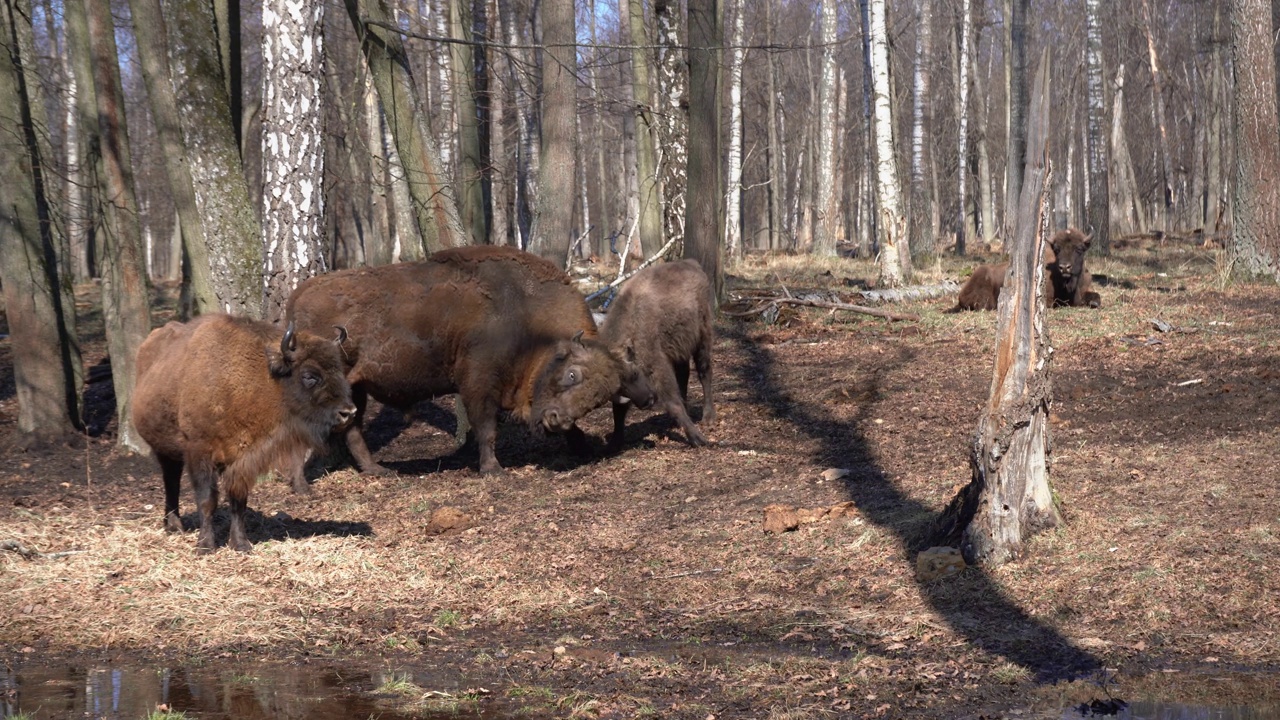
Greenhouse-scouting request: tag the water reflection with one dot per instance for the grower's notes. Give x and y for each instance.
(247, 692)
(1178, 711)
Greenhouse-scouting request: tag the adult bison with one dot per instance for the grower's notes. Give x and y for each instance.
(664, 314)
(231, 399)
(982, 290)
(1072, 283)
(501, 327)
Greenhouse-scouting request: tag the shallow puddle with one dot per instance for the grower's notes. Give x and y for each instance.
(241, 692)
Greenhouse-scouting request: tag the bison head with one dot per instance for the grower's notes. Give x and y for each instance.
(1068, 248)
(581, 376)
(310, 370)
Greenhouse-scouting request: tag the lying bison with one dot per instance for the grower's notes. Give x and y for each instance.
(982, 290)
(500, 327)
(231, 399)
(1072, 283)
(664, 314)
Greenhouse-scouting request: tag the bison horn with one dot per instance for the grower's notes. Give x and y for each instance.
(289, 343)
(342, 334)
(577, 337)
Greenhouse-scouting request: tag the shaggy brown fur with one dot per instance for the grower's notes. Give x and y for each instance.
(502, 328)
(232, 399)
(1072, 283)
(664, 315)
(982, 290)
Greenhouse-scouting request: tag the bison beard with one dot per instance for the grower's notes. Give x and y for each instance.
(233, 399)
(663, 315)
(502, 328)
(1072, 283)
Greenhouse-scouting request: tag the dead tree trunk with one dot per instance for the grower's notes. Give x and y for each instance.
(1009, 497)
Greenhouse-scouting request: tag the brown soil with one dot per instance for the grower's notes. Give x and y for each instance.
(645, 584)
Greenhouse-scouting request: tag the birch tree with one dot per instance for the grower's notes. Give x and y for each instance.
(921, 201)
(733, 171)
(828, 220)
(292, 147)
(895, 253)
(1255, 237)
(1097, 178)
(962, 114)
(673, 117)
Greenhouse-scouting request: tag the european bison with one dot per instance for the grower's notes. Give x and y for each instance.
(500, 327)
(1072, 283)
(664, 315)
(233, 398)
(982, 290)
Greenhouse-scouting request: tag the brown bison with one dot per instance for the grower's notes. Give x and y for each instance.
(982, 290)
(664, 315)
(232, 399)
(1072, 283)
(501, 327)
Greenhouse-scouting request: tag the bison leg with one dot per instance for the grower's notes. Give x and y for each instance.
(483, 413)
(238, 499)
(355, 437)
(171, 469)
(577, 441)
(669, 394)
(702, 359)
(682, 377)
(204, 478)
(619, 426)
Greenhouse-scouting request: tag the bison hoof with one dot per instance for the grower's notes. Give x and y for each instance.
(378, 470)
(173, 523)
(614, 446)
(696, 438)
(203, 548)
(243, 546)
(301, 487)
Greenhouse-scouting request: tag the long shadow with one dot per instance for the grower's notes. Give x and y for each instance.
(281, 526)
(975, 606)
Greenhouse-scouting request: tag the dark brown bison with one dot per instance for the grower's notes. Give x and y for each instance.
(1072, 283)
(663, 314)
(982, 290)
(501, 327)
(232, 399)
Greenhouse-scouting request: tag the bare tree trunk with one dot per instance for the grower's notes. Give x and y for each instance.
(870, 242)
(777, 183)
(1097, 221)
(828, 209)
(646, 129)
(527, 121)
(292, 147)
(125, 293)
(673, 119)
(434, 206)
(1016, 92)
(1126, 210)
(500, 172)
(1009, 497)
(921, 201)
(553, 216)
(46, 352)
(702, 242)
(1255, 236)
(471, 93)
(895, 253)
(733, 194)
(986, 189)
(1216, 141)
(444, 119)
(598, 141)
(962, 114)
(232, 234)
(1162, 132)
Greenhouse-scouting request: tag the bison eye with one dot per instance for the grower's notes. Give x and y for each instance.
(310, 380)
(571, 377)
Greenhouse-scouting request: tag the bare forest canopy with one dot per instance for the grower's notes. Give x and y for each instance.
(1165, 135)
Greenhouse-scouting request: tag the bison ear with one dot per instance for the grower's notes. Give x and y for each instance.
(342, 334)
(629, 352)
(289, 342)
(577, 337)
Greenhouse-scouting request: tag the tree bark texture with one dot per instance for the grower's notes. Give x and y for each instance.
(704, 234)
(733, 243)
(827, 205)
(46, 353)
(1097, 214)
(435, 207)
(672, 113)
(526, 121)
(1256, 230)
(292, 147)
(553, 215)
(1127, 214)
(232, 234)
(470, 99)
(895, 253)
(962, 114)
(1166, 204)
(921, 203)
(1016, 92)
(1009, 497)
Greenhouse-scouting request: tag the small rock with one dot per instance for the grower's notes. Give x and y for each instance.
(448, 520)
(937, 562)
(1161, 325)
(833, 474)
(560, 651)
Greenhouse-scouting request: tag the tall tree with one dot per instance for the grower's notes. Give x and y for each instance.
(435, 207)
(46, 354)
(776, 183)
(553, 217)
(704, 234)
(526, 122)
(673, 116)
(1016, 92)
(1255, 234)
(965, 31)
(733, 183)
(1162, 131)
(1097, 178)
(650, 201)
(232, 234)
(292, 147)
(126, 301)
(470, 93)
(828, 210)
(895, 252)
(921, 201)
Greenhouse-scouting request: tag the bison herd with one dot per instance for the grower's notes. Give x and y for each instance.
(231, 399)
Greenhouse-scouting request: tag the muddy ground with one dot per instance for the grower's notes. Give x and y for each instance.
(644, 584)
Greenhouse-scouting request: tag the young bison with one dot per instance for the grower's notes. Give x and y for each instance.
(232, 399)
(1072, 283)
(502, 328)
(664, 315)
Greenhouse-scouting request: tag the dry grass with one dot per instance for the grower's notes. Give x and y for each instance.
(650, 569)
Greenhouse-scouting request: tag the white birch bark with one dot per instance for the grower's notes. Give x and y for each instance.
(920, 204)
(443, 118)
(292, 146)
(733, 180)
(824, 244)
(1096, 175)
(962, 114)
(894, 250)
(673, 117)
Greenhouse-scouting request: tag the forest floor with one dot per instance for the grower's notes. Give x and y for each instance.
(644, 584)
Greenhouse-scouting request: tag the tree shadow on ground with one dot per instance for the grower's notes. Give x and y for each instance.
(974, 605)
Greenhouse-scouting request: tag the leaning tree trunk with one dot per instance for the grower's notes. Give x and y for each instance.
(45, 352)
(126, 301)
(1256, 230)
(1009, 497)
(292, 147)
(553, 217)
(702, 240)
(895, 252)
